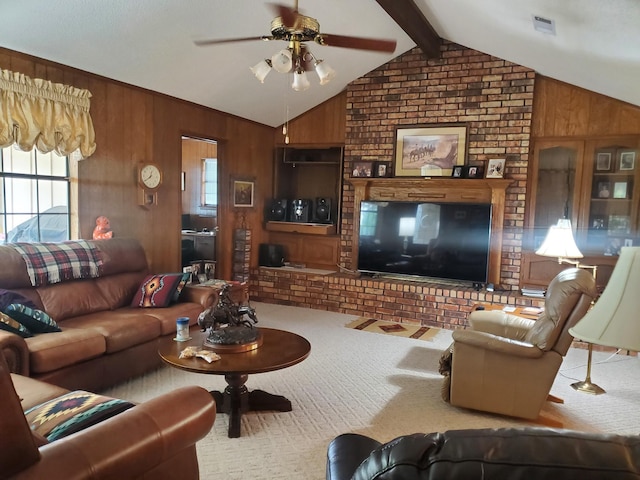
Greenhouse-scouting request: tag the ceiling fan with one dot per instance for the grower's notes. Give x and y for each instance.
(293, 27)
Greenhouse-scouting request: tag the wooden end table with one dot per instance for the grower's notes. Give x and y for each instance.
(279, 349)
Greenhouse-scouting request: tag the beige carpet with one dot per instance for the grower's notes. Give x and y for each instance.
(417, 332)
(378, 385)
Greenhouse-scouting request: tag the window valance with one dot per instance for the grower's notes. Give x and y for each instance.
(45, 115)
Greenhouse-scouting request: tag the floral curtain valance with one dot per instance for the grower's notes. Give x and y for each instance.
(45, 115)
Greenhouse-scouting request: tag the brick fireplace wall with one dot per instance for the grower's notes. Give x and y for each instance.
(494, 98)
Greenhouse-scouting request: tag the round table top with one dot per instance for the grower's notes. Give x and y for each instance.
(279, 349)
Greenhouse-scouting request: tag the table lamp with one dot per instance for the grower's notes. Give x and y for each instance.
(613, 320)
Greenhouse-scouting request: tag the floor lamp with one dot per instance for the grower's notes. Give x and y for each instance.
(613, 320)
(560, 243)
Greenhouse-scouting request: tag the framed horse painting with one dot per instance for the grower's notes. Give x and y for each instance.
(432, 151)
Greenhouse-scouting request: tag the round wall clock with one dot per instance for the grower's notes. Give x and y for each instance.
(149, 176)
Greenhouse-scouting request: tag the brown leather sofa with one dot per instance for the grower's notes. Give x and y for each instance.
(153, 440)
(507, 364)
(103, 340)
(486, 454)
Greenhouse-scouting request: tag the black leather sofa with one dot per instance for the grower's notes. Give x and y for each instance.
(486, 454)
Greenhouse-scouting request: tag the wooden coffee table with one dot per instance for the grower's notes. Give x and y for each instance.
(279, 349)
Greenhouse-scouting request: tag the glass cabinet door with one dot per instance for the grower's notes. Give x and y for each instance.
(555, 179)
(612, 196)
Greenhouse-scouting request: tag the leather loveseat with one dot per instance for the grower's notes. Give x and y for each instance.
(153, 440)
(103, 339)
(486, 454)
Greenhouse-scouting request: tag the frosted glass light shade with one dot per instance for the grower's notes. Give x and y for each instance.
(324, 71)
(613, 320)
(261, 70)
(282, 61)
(300, 81)
(559, 242)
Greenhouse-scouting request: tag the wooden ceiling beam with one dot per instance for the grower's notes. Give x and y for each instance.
(411, 19)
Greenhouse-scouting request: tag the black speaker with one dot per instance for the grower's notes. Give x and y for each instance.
(276, 210)
(271, 255)
(322, 210)
(300, 210)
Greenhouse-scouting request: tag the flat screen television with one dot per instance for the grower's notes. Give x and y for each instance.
(425, 239)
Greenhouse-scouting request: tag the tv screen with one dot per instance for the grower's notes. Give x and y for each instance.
(425, 239)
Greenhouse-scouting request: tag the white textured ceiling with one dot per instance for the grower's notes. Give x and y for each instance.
(149, 43)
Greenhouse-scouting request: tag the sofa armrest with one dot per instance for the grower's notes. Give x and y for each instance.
(204, 295)
(15, 352)
(346, 452)
(487, 341)
(132, 442)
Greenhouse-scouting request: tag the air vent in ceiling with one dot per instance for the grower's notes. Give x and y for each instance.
(544, 25)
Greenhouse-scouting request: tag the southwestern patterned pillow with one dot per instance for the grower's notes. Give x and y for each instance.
(36, 321)
(157, 290)
(72, 412)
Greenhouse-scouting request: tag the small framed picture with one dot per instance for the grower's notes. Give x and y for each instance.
(598, 222)
(627, 160)
(243, 193)
(604, 190)
(495, 168)
(628, 242)
(620, 190)
(382, 169)
(603, 161)
(473, 171)
(362, 169)
(618, 225)
(457, 171)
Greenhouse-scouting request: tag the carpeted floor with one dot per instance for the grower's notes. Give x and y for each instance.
(378, 385)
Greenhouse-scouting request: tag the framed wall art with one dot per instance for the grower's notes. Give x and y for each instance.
(242, 191)
(603, 161)
(429, 151)
(627, 160)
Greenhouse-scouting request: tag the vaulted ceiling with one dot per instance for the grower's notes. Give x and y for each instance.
(150, 43)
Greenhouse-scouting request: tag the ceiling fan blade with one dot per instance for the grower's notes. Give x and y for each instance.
(289, 15)
(360, 43)
(201, 43)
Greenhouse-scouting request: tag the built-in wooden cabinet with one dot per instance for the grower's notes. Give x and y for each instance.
(594, 182)
(311, 173)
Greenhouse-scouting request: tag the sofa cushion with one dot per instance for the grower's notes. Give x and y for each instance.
(72, 412)
(51, 352)
(118, 289)
(168, 316)
(157, 290)
(10, 325)
(70, 299)
(36, 321)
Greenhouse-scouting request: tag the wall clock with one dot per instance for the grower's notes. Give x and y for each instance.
(149, 176)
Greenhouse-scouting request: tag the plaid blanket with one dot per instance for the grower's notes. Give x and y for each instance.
(55, 262)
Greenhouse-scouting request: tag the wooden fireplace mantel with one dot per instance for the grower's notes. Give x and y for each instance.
(448, 190)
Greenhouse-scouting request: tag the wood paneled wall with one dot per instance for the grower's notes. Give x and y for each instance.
(563, 110)
(134, 125)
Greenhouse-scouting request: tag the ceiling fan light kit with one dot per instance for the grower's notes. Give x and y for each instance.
(295, 28)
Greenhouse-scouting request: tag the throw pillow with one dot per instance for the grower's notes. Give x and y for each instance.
(36, 321)
(7, 297)
(156, 290)
(10, 325)
(183, 281)
(72, 412)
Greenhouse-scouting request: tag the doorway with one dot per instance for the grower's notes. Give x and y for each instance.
(199, 186)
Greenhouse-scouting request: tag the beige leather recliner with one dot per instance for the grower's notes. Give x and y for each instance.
(507, 364)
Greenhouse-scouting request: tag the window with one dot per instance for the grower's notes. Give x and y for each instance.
(209, 182)
(34, 196)
(368, 219)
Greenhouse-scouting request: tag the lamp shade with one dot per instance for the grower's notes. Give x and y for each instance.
(613, 321)
(300, 81)
(261, 69)
(559, 242)
(324, 71)
(282, 61)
